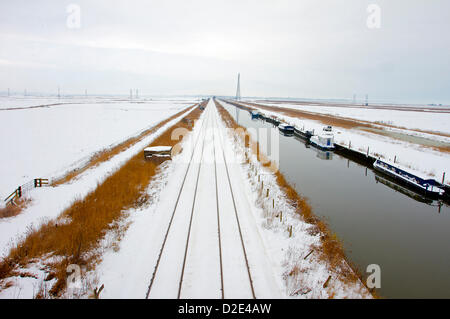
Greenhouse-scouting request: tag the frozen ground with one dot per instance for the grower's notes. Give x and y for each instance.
(47, 142)
(49, 202)
(20, 102)
(428, 120)
(423, 160)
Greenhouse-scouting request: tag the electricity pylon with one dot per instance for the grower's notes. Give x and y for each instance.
(238, 90)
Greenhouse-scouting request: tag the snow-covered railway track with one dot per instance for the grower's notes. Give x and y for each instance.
(188, 170)
(203, 253)
(236, 215)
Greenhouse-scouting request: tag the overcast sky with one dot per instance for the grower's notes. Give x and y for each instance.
(309, 48)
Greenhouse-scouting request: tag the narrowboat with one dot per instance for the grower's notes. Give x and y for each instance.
(324, 140)
(425, 185)
(286, 129)
(305, 135)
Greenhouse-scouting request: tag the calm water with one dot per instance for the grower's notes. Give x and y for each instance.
(408, 239)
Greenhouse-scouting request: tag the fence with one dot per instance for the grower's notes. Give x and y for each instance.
(23, 189)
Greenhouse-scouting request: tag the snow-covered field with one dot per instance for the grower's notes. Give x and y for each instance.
(47, 142)
(423, 160)
(49, 203)
(12, 102)
(428, 120)
(45, 152)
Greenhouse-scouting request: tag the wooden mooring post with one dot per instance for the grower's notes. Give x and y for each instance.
(325, 285)
(443, 178)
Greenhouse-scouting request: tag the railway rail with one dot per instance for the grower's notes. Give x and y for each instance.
(195, 228)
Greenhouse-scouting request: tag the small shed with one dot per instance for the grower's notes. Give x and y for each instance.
(158, 151)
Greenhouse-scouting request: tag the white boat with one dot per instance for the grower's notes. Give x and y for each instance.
(324, 140)
(286, 129)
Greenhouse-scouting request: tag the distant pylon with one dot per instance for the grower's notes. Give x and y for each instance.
(238, 90)
(131, 94)
(354, 98)
(137, 93)
(367, 99)
(59, 94)
(8, 91)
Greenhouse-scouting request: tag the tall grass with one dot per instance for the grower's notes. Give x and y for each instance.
(15, 208)
(73, 236)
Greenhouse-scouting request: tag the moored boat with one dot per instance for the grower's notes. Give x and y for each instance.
(423, 184)
(286, 129)
(324, 140)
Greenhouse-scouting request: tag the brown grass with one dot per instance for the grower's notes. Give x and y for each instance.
(14, 208)
(89, 218)
(107, 154)
(331, 249)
